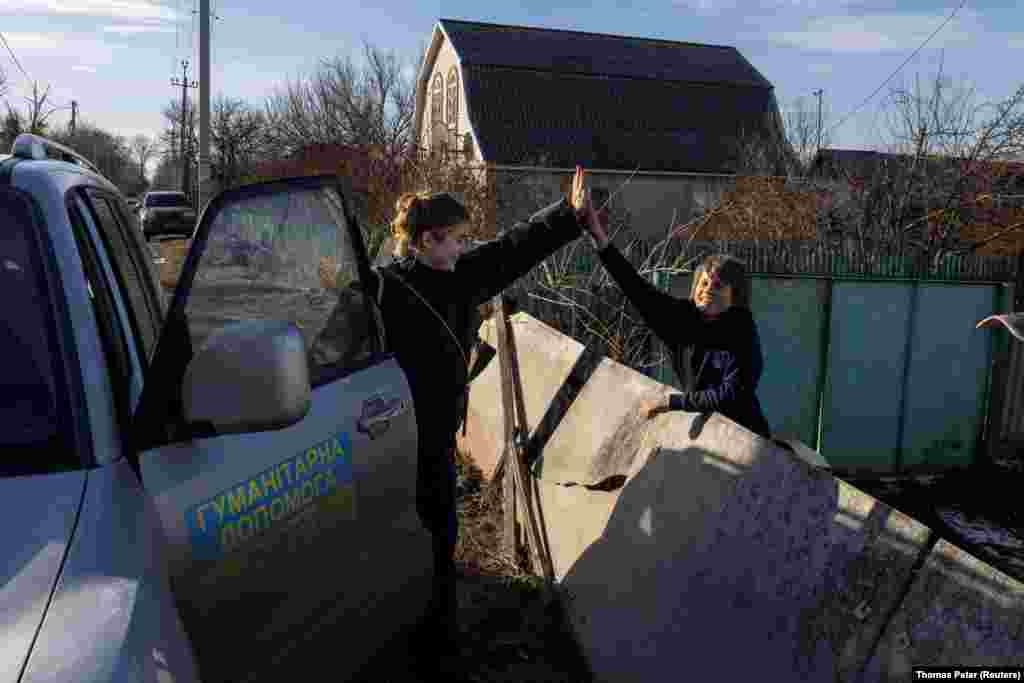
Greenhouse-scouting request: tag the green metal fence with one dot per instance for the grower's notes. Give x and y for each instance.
(872, 358)
(881, 376)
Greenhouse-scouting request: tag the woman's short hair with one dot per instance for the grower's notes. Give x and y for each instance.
(731, 272)
(419, 212)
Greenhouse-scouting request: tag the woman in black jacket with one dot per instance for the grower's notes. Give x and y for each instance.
(715, 322)
(428, 303)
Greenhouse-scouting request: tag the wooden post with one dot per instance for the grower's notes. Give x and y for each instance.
(539, 552)
(509, 539)
(510, 527)
(517, 483)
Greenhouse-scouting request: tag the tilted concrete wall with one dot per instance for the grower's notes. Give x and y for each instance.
(547, 354)
(724, 556)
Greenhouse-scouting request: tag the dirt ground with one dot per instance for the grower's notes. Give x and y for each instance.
(977, 509)
(511, 631)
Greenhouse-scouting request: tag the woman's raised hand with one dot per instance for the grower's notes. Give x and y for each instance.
(581, 201)
(578, 197)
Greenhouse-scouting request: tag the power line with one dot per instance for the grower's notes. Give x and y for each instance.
(20, 67)
(58, 104)
(900, 67)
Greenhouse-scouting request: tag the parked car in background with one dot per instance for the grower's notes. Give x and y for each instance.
(186, 492)
(166, 213)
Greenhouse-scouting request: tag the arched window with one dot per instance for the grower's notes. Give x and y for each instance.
(453, 98)
(437, 101)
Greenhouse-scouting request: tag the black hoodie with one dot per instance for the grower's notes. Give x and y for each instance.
(727, 360)
(424, 347)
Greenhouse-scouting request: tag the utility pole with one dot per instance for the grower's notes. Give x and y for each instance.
(206, 189)
(174, 148)
(819, 92)
(185, 84)
(74, 115)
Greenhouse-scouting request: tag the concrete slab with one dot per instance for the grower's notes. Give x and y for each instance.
(959, 611)
(546, 358)
(733, 561)
(574, 517)
(727, 557)
(807, 454)
(599, 435)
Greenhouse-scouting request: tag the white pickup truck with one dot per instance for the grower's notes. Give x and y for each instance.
(185, 492)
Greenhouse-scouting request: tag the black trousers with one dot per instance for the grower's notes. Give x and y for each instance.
(437, 509)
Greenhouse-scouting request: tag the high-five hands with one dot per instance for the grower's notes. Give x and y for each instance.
(584, 207)
(579, 198)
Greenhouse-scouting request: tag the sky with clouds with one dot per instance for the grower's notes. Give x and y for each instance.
(116, 57)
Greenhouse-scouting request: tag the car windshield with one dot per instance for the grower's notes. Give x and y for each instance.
(172, 199)
(33, 397)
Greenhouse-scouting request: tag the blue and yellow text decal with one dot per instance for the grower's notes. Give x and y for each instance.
(321, 473)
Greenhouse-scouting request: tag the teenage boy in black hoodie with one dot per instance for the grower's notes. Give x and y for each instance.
(715, 322)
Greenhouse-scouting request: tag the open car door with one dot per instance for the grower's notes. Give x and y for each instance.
(277, 437)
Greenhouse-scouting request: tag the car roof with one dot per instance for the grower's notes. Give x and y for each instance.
(57, 174)
(165, 192)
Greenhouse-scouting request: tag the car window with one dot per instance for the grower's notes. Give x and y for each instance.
(123, 362)
(133, 274)
(263, 260)
(35, 416)
(146, 255)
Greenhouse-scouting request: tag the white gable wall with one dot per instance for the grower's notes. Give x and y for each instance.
(446, 58)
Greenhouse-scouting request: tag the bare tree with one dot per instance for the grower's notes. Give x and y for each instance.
(13, 126)
(369, 104)
(110, 152)
(171, 138)
(237, 132)
(947, 154)
(805, 133)
(39, 111)
(143, 147)
(3, 82)
(167, 175)
(179, 143)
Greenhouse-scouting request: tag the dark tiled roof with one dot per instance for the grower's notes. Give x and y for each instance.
(856, 163)
(558, 98)
(541, 49)
(863, 163)
(556, 119)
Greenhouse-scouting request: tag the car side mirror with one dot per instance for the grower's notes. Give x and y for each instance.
(250, 376)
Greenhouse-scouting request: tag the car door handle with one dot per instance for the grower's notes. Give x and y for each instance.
(377, 413)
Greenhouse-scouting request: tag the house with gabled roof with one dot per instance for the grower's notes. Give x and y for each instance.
(663, 115)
